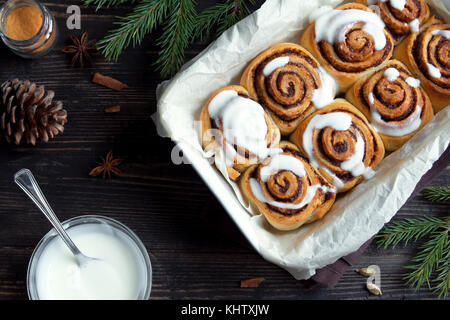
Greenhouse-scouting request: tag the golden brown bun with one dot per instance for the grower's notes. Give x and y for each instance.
(243, 158)
(287, 92)
(421, 48)
(331, 147)
(360, 62)
(397, 21)
(285, 186)
(386, 94)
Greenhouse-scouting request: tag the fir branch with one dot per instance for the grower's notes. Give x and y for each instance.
(429, 258)
(180, 21)
(175, 37)
(436, 194)
(211, 17)
(442, 279)
(433, 258)
(239, 11)
(107, 3)
(145, 17)
(409, 229)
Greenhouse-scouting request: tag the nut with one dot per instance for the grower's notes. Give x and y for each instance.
(366, 271)
(373, 289)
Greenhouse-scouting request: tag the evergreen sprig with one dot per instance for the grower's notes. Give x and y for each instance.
(437, 194)
(180, 22)
(431, 265)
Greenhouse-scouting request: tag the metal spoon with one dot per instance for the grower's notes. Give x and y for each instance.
(26, 181)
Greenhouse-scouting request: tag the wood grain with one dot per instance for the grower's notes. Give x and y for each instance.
(193, 256)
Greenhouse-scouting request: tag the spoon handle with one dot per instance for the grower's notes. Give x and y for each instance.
(26, 181)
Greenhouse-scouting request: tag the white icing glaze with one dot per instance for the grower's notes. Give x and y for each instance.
(391, 74)
(282, 162)
(397, 128)
(413, 82)
(371, 98)
(433, 71)
(258, 193)
(275, 64)
(243, 124)
(318, 12)
(444, 33)
(414, 25)
(354, 164)
(323, 95)
(330, 25)
(338, 121)
(397, 4)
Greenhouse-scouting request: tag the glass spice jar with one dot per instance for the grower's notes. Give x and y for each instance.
(27, 28)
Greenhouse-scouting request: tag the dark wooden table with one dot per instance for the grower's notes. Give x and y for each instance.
(167, 205)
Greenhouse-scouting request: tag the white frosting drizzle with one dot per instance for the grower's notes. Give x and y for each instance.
(318, 12)
(414, 25)
(433, 71)
(258, 193)
(338, 121)
(323, 95)
(243, 124)
(282, 162)
(391, 74)
(395, 128)
(397, 4)
(371, 98)
(285, 162)
(444, 33)
(275, 64)
(413, 82)
(330, 25)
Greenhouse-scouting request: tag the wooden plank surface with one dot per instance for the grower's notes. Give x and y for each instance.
(168, 206)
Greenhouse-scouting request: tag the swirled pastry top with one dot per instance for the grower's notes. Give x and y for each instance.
(431, 51)
(395, 100)
(352, 38)
(287, 189)
(338, 140)
(237, 129)
(289, 82)
(401, 16)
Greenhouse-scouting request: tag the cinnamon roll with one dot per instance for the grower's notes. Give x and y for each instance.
(289, 83)
(287, 190)
(237, 129)
(401, 17)
(427, 56)
(339, 141)
(393, 102)
(349, 42)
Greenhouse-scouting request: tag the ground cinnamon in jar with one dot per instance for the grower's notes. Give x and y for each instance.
(23, 23)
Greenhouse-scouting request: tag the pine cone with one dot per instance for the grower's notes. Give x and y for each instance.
(27, 113)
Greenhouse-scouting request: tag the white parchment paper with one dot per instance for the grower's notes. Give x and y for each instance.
(356, 216)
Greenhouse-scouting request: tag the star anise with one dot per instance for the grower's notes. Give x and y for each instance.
(81, 50)
(108, 166)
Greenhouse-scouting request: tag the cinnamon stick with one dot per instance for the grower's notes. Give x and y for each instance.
(108, 82)
(112, 109)
(251, 283)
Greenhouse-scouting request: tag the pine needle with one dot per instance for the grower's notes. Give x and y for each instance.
(107, 3)
(429, 258)
(180, 23)
(408, 229)
(437, 194)
(175, 38)
(431, 265)
(145, 17)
